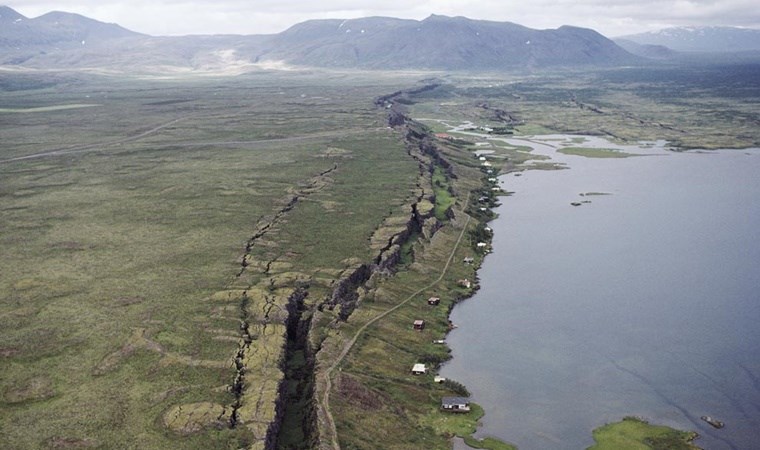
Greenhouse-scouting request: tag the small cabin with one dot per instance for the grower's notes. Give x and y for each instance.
(465, 283)
(439, 379)
(469, 260)
(434, 301)
(455, 404)
(419, 324)
(482, 245)
(419, 369)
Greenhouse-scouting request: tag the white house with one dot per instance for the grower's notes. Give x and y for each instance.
(419, 369)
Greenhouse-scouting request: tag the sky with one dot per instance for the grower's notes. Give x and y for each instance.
(610, 17)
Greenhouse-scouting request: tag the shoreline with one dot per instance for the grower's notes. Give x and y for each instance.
(601, 432)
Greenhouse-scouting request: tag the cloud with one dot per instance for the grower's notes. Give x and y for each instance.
(610, 17)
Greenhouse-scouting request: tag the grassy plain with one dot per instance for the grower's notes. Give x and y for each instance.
(691, 107)
(124, 226)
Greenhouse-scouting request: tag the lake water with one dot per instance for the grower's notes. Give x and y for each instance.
(643, 302)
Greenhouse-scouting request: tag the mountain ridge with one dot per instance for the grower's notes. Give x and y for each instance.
(66, 40)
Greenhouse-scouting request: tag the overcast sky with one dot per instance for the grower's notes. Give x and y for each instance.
(609, 17)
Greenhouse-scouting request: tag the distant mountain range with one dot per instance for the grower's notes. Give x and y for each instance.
(64, 40)
(700, 39)
(61, 40)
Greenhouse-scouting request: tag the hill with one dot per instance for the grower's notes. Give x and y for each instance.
(55, 29)
(701, 39)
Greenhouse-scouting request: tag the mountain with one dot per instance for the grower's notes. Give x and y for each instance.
(55, 29)
(69, 41)
(701, 39)
(646, 50)
(439, 42)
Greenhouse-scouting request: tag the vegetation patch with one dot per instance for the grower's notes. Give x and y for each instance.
(594, 152)
(488, 443)
(195, 417)
(31, 389)
(443, 197)
(635, 433)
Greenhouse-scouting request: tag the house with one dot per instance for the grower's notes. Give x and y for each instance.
(465, 283)
(439, 379)
(469, 260)
(419, 369)
(439, 341)
(419, 324)
(482, 158)
(455, 404)
(433, 301)
(482, 245)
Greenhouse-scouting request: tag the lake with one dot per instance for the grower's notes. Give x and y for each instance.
(642, 302)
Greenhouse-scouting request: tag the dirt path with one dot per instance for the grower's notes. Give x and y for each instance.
(325, 402)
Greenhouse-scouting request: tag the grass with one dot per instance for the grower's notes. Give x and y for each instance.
(701, 107)
(594, 152)
(633, 433)
(145, 231)
(443, 198)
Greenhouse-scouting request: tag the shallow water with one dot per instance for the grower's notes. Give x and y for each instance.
(643, 302)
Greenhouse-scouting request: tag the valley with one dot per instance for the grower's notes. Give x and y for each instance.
(201, 257)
